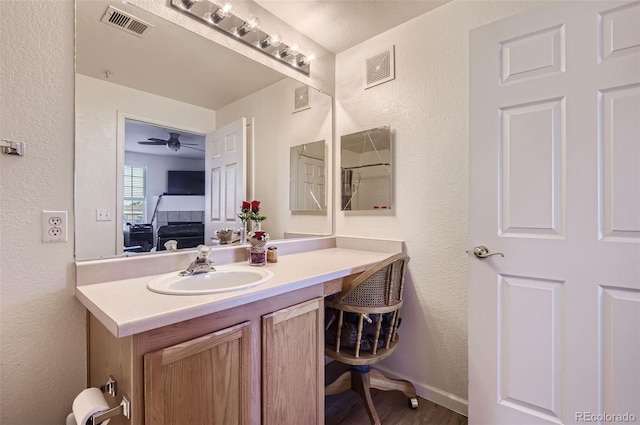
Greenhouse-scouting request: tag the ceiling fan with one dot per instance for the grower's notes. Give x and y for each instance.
(172, 143)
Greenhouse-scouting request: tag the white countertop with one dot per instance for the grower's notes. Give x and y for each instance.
(127, 307)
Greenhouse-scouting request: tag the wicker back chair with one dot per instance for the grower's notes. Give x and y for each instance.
(362, 328)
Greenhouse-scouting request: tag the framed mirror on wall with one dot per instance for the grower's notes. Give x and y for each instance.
(366, 170)
(173, 80)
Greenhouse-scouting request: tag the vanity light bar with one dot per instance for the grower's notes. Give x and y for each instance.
(248, 32)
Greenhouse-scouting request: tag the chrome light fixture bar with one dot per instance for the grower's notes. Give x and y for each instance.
(222, 19)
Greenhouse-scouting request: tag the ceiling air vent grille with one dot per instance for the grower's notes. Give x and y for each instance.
(126, 22)
(380, 68)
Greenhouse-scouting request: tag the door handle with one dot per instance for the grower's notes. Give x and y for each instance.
(483, 252)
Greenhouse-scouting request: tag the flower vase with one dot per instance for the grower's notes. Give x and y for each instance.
(257, 256)
(257, 225)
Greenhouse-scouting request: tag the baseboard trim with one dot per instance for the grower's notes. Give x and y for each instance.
(436, 395)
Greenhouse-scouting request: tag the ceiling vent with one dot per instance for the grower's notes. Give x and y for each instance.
(381, 68)
(126, 22)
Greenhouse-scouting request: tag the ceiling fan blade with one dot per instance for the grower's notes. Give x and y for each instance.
(155, 139)
(189, 147)
(153, 143)
(191, 144)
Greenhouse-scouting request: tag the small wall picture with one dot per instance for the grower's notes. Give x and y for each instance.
(301, 99)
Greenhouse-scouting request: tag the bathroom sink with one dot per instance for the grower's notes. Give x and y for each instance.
(223, 279)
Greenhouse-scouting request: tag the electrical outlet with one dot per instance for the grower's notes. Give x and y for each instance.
(54, 226)
(103, 214)
(55, 221)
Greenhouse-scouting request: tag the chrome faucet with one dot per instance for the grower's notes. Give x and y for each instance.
(202, 263)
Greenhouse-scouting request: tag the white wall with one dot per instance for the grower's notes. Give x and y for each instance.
(427, 109)
(97, 106)
(275, 130)
(42, 325)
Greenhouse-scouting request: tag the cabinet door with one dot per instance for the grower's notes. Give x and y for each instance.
(293, 365)
(203, 381)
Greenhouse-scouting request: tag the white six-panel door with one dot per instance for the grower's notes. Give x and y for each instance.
(309, 183)
(554, 325)
(225, 165)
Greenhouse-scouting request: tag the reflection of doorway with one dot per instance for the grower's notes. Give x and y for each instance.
(149, 199)
(226, 181)
(310, 183)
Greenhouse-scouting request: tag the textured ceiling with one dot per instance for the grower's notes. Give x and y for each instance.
(340, 24)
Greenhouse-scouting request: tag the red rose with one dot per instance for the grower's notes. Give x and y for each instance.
(255, 206)
(246, 205)
(259, 234)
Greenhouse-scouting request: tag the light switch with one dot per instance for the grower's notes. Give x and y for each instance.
(103, 214)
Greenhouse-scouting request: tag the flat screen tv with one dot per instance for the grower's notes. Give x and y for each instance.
(185, 183)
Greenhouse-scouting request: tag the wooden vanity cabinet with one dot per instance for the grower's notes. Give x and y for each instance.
(201, 381)
(260, 363)
(293, 365)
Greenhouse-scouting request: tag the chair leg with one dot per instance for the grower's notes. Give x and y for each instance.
(361, 379)
(360, 384)
(343, 383)
(381, 382)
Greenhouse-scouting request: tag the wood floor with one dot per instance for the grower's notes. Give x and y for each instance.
(392, 407)
(347, 408)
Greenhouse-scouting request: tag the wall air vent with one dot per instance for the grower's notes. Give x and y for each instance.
(126, 22)
(301, 101)
(380, 68)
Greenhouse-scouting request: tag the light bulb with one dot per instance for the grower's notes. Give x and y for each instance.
(219, 14)
(226, 8)
(270, 40)
(284, 52)
(188, 4)
(306, 60)
(293, 50)
(252, 25)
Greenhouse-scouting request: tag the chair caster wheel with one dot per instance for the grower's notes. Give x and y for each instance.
(413, 402)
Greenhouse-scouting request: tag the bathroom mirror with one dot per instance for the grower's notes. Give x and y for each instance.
(366, 165)
(308, 177)
(168, 79)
